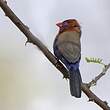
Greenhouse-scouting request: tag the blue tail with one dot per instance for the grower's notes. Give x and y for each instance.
(75, 83)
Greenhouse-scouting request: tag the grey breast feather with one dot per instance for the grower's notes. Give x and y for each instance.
(69, 46)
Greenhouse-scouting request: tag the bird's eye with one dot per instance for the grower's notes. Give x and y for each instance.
(75, 26)
(65, 24)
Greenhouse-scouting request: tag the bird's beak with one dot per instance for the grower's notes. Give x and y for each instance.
(59, 24)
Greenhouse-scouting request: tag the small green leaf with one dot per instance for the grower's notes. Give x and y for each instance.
(94, 60)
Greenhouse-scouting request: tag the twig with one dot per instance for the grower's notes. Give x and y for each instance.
(94, 81)
(32, 39)
(92, 97)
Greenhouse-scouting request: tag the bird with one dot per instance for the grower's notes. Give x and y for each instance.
(67, 49)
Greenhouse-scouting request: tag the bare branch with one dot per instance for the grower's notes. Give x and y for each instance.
(32, 39)
(92, 97)
(94, 81)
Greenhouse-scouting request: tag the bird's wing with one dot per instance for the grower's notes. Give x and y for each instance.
(70, 48)
(70, 51)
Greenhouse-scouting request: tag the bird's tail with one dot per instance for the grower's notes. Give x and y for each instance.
(75, 83)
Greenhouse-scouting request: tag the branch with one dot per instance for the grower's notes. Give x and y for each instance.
(94, 81)
(32, 39)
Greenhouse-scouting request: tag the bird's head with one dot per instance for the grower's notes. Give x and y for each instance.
(70, 24)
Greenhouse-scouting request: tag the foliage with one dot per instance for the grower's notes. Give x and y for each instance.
(94, 60)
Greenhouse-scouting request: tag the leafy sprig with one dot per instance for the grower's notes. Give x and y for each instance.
(94, 60)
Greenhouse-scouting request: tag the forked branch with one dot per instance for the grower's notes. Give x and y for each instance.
(32, 39)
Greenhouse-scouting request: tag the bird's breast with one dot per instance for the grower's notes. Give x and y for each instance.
(69, 46)
(69, 36)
